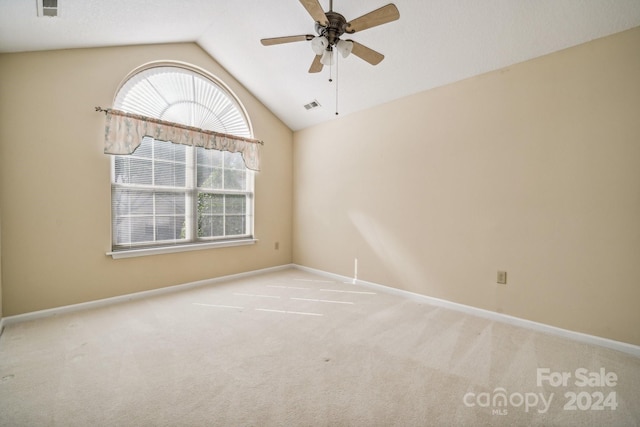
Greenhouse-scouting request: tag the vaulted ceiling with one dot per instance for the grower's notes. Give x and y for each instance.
(434, 43)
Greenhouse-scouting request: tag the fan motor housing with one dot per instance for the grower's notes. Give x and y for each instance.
(336, 27)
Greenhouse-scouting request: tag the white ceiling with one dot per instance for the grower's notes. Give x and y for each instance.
(435, 42)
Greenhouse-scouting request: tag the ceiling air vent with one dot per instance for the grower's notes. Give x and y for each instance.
(313, 104)
(47, 8)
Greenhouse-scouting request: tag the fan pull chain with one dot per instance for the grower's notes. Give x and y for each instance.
(337, 80)
(337, 59)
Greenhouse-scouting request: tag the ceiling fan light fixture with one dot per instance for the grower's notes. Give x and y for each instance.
(319, 44)
(345, 47)
(327, 57)
(329, 27)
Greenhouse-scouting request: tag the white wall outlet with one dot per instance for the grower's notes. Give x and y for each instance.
(502, 277)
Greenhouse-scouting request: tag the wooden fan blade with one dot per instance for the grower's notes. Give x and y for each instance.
(369, 55)
(316, 12)
(380, 16)
(316, 65)
(287, 39)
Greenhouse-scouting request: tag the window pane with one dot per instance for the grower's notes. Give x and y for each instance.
(209, 157)
(142, 229)
(209, 177)
(132, 202)
(134, 220)
(235, 179)
(170, 203)
(134, 230)
(165, 150)
(234, 225)
(210, 203)
(139, 171)
(122, 231)
(170, 227)
(131, 170)
(169, 174)
(121, 169)
(210, 215)
(235, 204)
(210, 225)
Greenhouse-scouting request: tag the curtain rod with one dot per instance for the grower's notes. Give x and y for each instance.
(176, 125)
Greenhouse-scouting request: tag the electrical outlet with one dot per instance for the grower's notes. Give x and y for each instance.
(276, 246)
(502, 277)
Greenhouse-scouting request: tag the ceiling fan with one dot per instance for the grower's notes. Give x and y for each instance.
(330, 26)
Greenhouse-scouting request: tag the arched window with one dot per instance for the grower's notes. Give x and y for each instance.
(166, 194)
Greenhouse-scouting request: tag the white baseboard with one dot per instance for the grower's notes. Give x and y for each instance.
(131, 297)
(500, 317)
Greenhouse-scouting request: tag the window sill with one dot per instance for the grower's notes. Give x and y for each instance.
(131, 253)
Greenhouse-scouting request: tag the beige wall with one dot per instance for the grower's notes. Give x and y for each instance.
(55, 182)
(533, 169)
(0, 264)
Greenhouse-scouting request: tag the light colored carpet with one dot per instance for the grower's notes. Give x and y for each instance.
(290, 348)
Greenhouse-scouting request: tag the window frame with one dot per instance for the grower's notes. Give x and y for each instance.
(191, 189)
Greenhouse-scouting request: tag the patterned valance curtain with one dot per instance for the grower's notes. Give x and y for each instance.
(124, 133)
